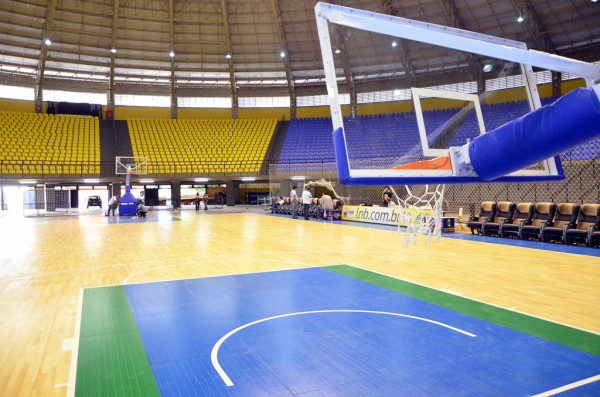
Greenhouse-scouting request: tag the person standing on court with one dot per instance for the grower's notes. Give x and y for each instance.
(205, 197)
(113, 203)
(294, 201)
(306, 197)
(197, 202)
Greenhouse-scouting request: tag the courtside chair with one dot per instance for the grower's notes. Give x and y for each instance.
(594, 237)
(587, 223)
(505, 211)
(523, 214)
(565, 218)
(542, 213)
(486, 213)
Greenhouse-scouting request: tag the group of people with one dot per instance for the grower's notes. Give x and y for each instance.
(198, 199)
(113, 204)
(142, 210)
(325, 203)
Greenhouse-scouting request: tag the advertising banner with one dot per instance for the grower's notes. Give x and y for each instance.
(381, 215)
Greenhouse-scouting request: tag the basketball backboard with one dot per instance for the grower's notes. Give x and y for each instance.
(137, 165)
(429, 122)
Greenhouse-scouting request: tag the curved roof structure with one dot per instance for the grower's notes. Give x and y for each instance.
(259, 47)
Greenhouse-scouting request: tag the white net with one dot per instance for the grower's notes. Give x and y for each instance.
(421, 212)
(417, 209)
(46, 202)
(420, 208)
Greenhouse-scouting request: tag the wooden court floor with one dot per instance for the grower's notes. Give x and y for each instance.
(45, 263)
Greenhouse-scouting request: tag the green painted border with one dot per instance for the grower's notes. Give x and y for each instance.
(568, 336)
(112, 360)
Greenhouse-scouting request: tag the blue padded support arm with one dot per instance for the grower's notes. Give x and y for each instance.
(570, 121)
(341, 155)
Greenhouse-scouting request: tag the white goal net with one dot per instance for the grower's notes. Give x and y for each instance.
(46, 202)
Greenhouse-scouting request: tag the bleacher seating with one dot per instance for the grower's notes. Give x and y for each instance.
(310, 140)
(40, 144)
(201, 146)
(46, 144)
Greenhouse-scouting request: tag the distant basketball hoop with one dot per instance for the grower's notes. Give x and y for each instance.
(125, 165)
(129, 166)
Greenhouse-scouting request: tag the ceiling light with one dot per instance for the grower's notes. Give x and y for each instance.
(394, 44)
(298, 178)
(172, 54)
(27, 182)
(146, 180)
(520, 19)
(228, 56)
(282, 54)
(201, 180)
(487, 67)
(91, 181)
(113, 50)
(248, 179)
(337, 50)
(48, 41)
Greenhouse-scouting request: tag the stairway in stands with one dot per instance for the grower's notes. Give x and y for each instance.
(114, 141)
(276, 145)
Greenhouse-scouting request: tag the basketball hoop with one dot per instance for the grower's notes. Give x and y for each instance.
(131, 170)
(422, 212)
(131, 165)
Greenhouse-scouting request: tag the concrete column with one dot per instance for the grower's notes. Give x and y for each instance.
(232, 190)
(176, 195)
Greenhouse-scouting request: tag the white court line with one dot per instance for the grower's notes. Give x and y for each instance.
(570, 386)
(215, 350)
(126, 280)
(449, 291)
(75, 351)
(68, 344)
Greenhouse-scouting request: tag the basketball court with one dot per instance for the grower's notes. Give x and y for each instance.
(337, 330)
(243, 303)
(239, 302)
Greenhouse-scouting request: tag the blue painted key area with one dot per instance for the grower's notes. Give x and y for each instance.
(313, 332)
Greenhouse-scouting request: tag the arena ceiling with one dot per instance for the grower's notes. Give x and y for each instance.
(273, 44)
